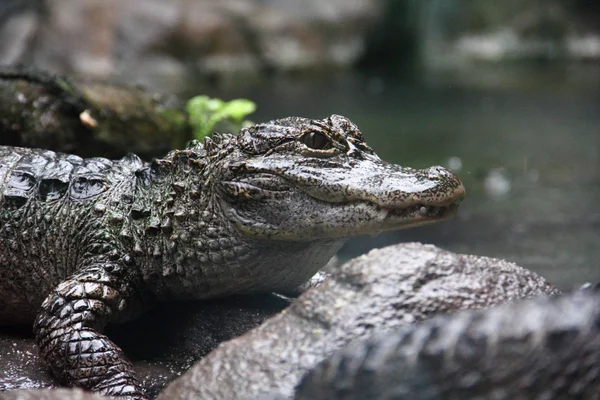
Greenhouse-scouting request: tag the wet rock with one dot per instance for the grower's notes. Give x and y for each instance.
(20, 365)
(154, 40)
(162, 344)
(387, 288)
(534, 349)
(19, 20)
(54, 394)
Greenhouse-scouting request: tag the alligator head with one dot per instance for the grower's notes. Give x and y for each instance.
(304, 179)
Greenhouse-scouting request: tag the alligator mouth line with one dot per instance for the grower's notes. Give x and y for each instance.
(419, 211)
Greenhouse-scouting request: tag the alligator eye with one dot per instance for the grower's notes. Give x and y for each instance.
(316, 140)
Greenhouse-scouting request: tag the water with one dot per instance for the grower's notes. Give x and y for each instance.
(526, 139)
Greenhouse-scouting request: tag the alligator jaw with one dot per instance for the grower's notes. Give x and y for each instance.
(408, 217)
(369, 197)
(375, 219)
(421, 213)
(389, 197)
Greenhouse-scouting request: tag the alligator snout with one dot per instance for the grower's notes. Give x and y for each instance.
(449, 184)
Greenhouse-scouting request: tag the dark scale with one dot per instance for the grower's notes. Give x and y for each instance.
(87, 242)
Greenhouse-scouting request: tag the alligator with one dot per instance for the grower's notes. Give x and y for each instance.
(541, 348)
(87, 242)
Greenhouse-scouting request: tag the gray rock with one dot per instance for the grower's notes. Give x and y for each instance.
(54, 394)
(534, 349)
(153, 41)
(19, 20)
(21, 368)
(386, 288)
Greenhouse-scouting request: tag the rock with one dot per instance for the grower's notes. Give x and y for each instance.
(387, 288)
(535, 349)
(162, 344)
(21, 366)
(154, 41)
(54, 394)
(18, 25)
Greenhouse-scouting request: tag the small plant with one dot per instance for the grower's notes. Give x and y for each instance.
(206, 113)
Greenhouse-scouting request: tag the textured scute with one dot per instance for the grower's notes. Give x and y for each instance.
(535, 349)
(384, 289)
(50, 215)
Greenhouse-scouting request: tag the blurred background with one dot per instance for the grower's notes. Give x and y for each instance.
(506, 93)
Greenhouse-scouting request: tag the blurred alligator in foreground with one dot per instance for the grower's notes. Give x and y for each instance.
(85, 242)
(543, 348)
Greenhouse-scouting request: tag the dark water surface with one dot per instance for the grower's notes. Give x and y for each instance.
(525, 142)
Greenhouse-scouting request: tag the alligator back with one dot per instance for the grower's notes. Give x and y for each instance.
(50, 212)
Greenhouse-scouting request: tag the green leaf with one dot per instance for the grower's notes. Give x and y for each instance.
(214, 105)
(205, 113)
(239, 109)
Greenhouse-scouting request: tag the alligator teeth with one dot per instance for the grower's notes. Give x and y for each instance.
(432, 210)
(383, 213)
(415, 211)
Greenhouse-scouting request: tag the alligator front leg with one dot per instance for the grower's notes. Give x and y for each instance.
(68, 331)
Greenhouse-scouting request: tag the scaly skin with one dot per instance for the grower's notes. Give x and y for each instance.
(93, 241)
(543, 348)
